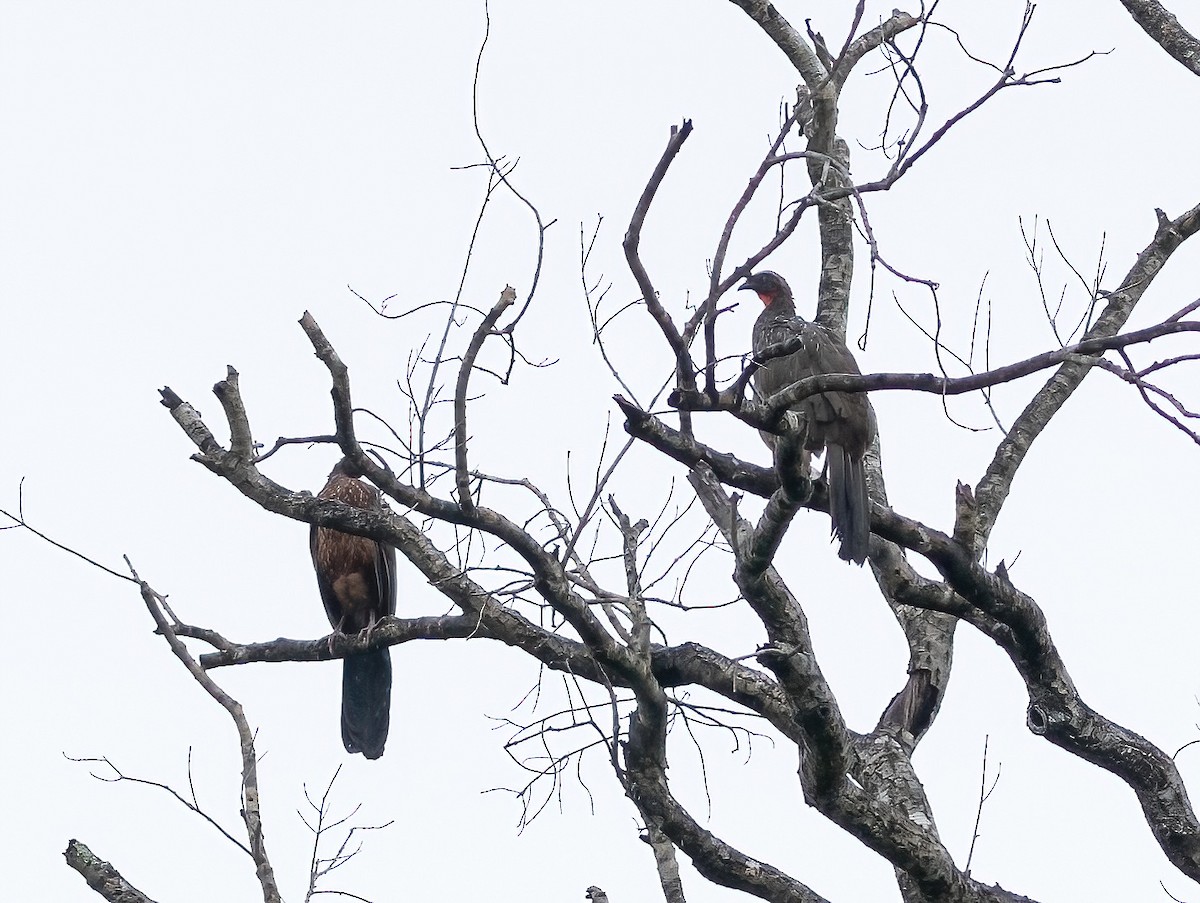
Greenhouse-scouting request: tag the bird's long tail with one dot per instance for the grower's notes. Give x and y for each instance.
(366, 701)
(849, 505)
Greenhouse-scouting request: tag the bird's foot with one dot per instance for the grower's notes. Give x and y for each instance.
(369, 629)
(337, 631)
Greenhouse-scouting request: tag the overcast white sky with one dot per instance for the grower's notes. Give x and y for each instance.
(179, 182)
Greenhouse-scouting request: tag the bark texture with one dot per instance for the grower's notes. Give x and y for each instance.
(101, 876)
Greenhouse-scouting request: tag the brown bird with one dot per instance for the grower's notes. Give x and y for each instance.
(840, 422)
(357, 580)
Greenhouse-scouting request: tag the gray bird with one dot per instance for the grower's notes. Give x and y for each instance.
(596, 895)
(842, 423)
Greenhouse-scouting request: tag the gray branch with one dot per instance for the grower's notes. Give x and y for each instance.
(101, 876)
(1164, 29)
(462, 474)
(990, 602)
(787, 39)
(251, 810)
(994, 486)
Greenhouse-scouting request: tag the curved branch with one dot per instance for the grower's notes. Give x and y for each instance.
(730, 470)
(790, 657)
(241, 442)
(1164, 29)
(868, 41)
(711, 856)
(251, 813)
(461, 471)
(646, 784)
(716, 287)
(633, 237)
(787, 39)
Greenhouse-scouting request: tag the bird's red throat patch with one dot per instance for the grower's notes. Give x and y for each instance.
(766, 298)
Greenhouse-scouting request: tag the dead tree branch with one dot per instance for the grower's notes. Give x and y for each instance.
(462, 472)
(251, 812)
(994, 486)
(101, 876)
(1164, 29)
(633, 236)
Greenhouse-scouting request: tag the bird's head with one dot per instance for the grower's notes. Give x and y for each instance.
(345, 468)
(596, 895)
(769, 286)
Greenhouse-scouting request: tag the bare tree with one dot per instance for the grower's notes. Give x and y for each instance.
(591, 588)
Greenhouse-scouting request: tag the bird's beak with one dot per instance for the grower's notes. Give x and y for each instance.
(744, 286)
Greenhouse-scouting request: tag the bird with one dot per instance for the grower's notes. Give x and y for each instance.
(596, 895)
(842, 423)
(356, 577)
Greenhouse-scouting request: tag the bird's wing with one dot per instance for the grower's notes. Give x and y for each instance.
(333, 608)
(848, 414)
(778, 373)
(385, 576)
